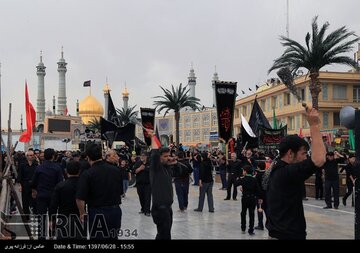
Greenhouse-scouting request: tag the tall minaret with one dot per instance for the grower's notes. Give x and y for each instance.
(106, 95)
(215, 78)
(125, 98)
(77, 107)
(192, 81)
(40, 106)
(62, 85)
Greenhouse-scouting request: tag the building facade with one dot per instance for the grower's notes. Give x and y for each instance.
(339, 89)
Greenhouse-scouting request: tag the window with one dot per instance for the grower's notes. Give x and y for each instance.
(324, 92)
(196, 121)
(206, 134)
(291, 123)
(274, 102)
(181, 136)
(187, 122)
(356, 93)
(305, 123)
(244, 110)
(302, 92)
(325, 120)
(206, 119)
(268, 104)
(236, 113)
(297, 121)
(286, 99)
(339, 91)
(196, 135)
(280, 102)
(262, 105)
(214, 119)
(187, 135)
(336, 119)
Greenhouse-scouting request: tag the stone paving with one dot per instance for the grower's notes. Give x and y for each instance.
(224, 223)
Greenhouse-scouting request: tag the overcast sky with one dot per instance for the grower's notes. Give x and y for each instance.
(147, 43)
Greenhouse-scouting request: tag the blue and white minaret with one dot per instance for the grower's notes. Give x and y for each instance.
(192, 81)
(215, 78)
(62, 85)
(40, 102)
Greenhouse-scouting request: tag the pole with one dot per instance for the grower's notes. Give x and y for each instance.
(357, 182)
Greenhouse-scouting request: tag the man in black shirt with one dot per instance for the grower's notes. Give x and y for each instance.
(63, 205)
(101, 188)
(26, 173)
(161, 188)
(142, 172)
(285, 210)
(234, 171)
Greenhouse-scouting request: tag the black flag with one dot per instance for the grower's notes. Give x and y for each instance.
(257, 87)
(243, 92)
(111, 132)
(112, 115)
(147, 119)
(250, 89)
(225, 93)
(87, 83)
(257, 118)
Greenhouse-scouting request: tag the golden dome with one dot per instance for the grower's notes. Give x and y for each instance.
(125, 92)
(90, 108)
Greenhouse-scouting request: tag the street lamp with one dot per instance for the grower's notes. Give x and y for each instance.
(66, 140)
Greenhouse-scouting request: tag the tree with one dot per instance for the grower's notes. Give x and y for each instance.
(175, 100)
(319, 52)
(94, 125)
(124, 116)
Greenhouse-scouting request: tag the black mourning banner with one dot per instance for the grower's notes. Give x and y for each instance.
(147, 119)
(271, 137)
(257, 118)
(225, 93)
(87, 83)
(112, 116)
(111, 132)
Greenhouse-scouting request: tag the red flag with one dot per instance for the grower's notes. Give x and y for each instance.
(66, 111)
(157, 138)
(30, 118)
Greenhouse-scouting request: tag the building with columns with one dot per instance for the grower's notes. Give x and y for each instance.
(339, 89)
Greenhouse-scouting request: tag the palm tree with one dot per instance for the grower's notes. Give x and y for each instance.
(317, 54)
(94, 125)
(175, 100)
(124, 115)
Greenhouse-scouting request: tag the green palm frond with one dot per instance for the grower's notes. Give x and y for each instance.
(124, 116)
(94, 125)
(320, 50)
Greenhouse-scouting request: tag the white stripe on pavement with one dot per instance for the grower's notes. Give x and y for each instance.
(332, 209)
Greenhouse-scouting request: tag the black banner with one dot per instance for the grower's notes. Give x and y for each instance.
(112, 115)
(225, 93)
(147, 119)
(257, 118)
(111, 132)
(271, 137)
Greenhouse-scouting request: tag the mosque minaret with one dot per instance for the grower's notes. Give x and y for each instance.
(40, 105)
(61, 108)
(215, 78)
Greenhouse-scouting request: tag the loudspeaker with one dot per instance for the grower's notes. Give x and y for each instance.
(347, 117)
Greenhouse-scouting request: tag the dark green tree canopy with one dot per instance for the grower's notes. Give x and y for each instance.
(176, 99)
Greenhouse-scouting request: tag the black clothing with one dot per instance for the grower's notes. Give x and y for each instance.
(46, 177)
(63, 200)
(331, 169)
(182, 171)
(101, 185)
(162, 195)
(26, 173)
(285, 210)
(161, 181)
(206, 172)
(143, 176)
(234, 171)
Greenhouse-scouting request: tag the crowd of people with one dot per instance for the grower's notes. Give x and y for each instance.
(83, 190)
